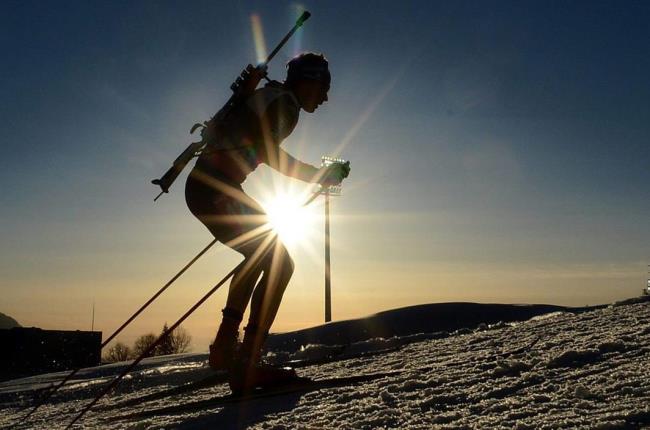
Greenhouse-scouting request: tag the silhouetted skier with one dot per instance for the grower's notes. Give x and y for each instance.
(213, 193)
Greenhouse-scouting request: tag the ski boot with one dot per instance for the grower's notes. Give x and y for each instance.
(248, 373)
(246, 377)
(224, 347)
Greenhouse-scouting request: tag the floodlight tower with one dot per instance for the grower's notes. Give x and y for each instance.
(327, 192)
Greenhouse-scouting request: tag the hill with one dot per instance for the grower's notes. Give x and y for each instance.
(427, 318)
(7, 322)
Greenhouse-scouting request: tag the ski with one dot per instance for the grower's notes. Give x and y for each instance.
(212, 379)
(300, 385)
(339, 356)
(222, 378)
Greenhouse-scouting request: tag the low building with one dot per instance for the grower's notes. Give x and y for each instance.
(30, 351)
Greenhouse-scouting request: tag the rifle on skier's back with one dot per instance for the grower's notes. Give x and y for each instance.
(242, 88)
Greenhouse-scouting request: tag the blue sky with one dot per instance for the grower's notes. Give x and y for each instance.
(499, 152)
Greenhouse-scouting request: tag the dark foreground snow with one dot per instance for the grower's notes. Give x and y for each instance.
(562, 370)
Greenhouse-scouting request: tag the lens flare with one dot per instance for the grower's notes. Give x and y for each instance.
(297, 10)
(289, 218)
(258, 38)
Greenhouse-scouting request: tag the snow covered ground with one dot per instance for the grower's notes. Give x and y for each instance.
(561, 370)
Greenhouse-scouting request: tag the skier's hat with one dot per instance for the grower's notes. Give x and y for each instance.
(309, 66)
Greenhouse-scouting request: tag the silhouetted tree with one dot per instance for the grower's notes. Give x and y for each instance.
(177, 342)
(181, 340)
(117, 352)
(143, 343)
(165, 347)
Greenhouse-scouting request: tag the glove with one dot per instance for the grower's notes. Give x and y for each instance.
(334, 174)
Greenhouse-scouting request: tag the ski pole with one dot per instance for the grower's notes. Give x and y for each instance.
(115, 381)
(49, 394)
(53, 390)
(150, 348)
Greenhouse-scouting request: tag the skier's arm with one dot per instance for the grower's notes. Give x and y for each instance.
(326, 176)
(280, 160)
(290, 166)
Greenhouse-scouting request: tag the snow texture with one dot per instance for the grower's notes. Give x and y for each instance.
(563, 370)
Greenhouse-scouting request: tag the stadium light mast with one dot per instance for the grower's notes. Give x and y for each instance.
(327, 192)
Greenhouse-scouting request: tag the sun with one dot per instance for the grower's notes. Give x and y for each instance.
(293, 222)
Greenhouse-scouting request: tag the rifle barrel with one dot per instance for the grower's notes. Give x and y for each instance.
(304, 17)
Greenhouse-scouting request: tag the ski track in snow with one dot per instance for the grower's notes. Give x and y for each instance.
(560, 370)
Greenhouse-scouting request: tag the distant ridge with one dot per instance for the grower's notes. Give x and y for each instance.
(7, 322)
(428, 318)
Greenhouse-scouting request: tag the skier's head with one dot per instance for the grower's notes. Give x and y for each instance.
(308, 76)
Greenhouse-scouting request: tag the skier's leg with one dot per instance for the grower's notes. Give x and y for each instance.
(247, 373)
(267, 297)
(269, 291)
(242, 286)
(234, 219)
(222, 350)
(247, 234)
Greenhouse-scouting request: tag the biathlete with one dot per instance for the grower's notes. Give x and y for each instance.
(213, 192)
